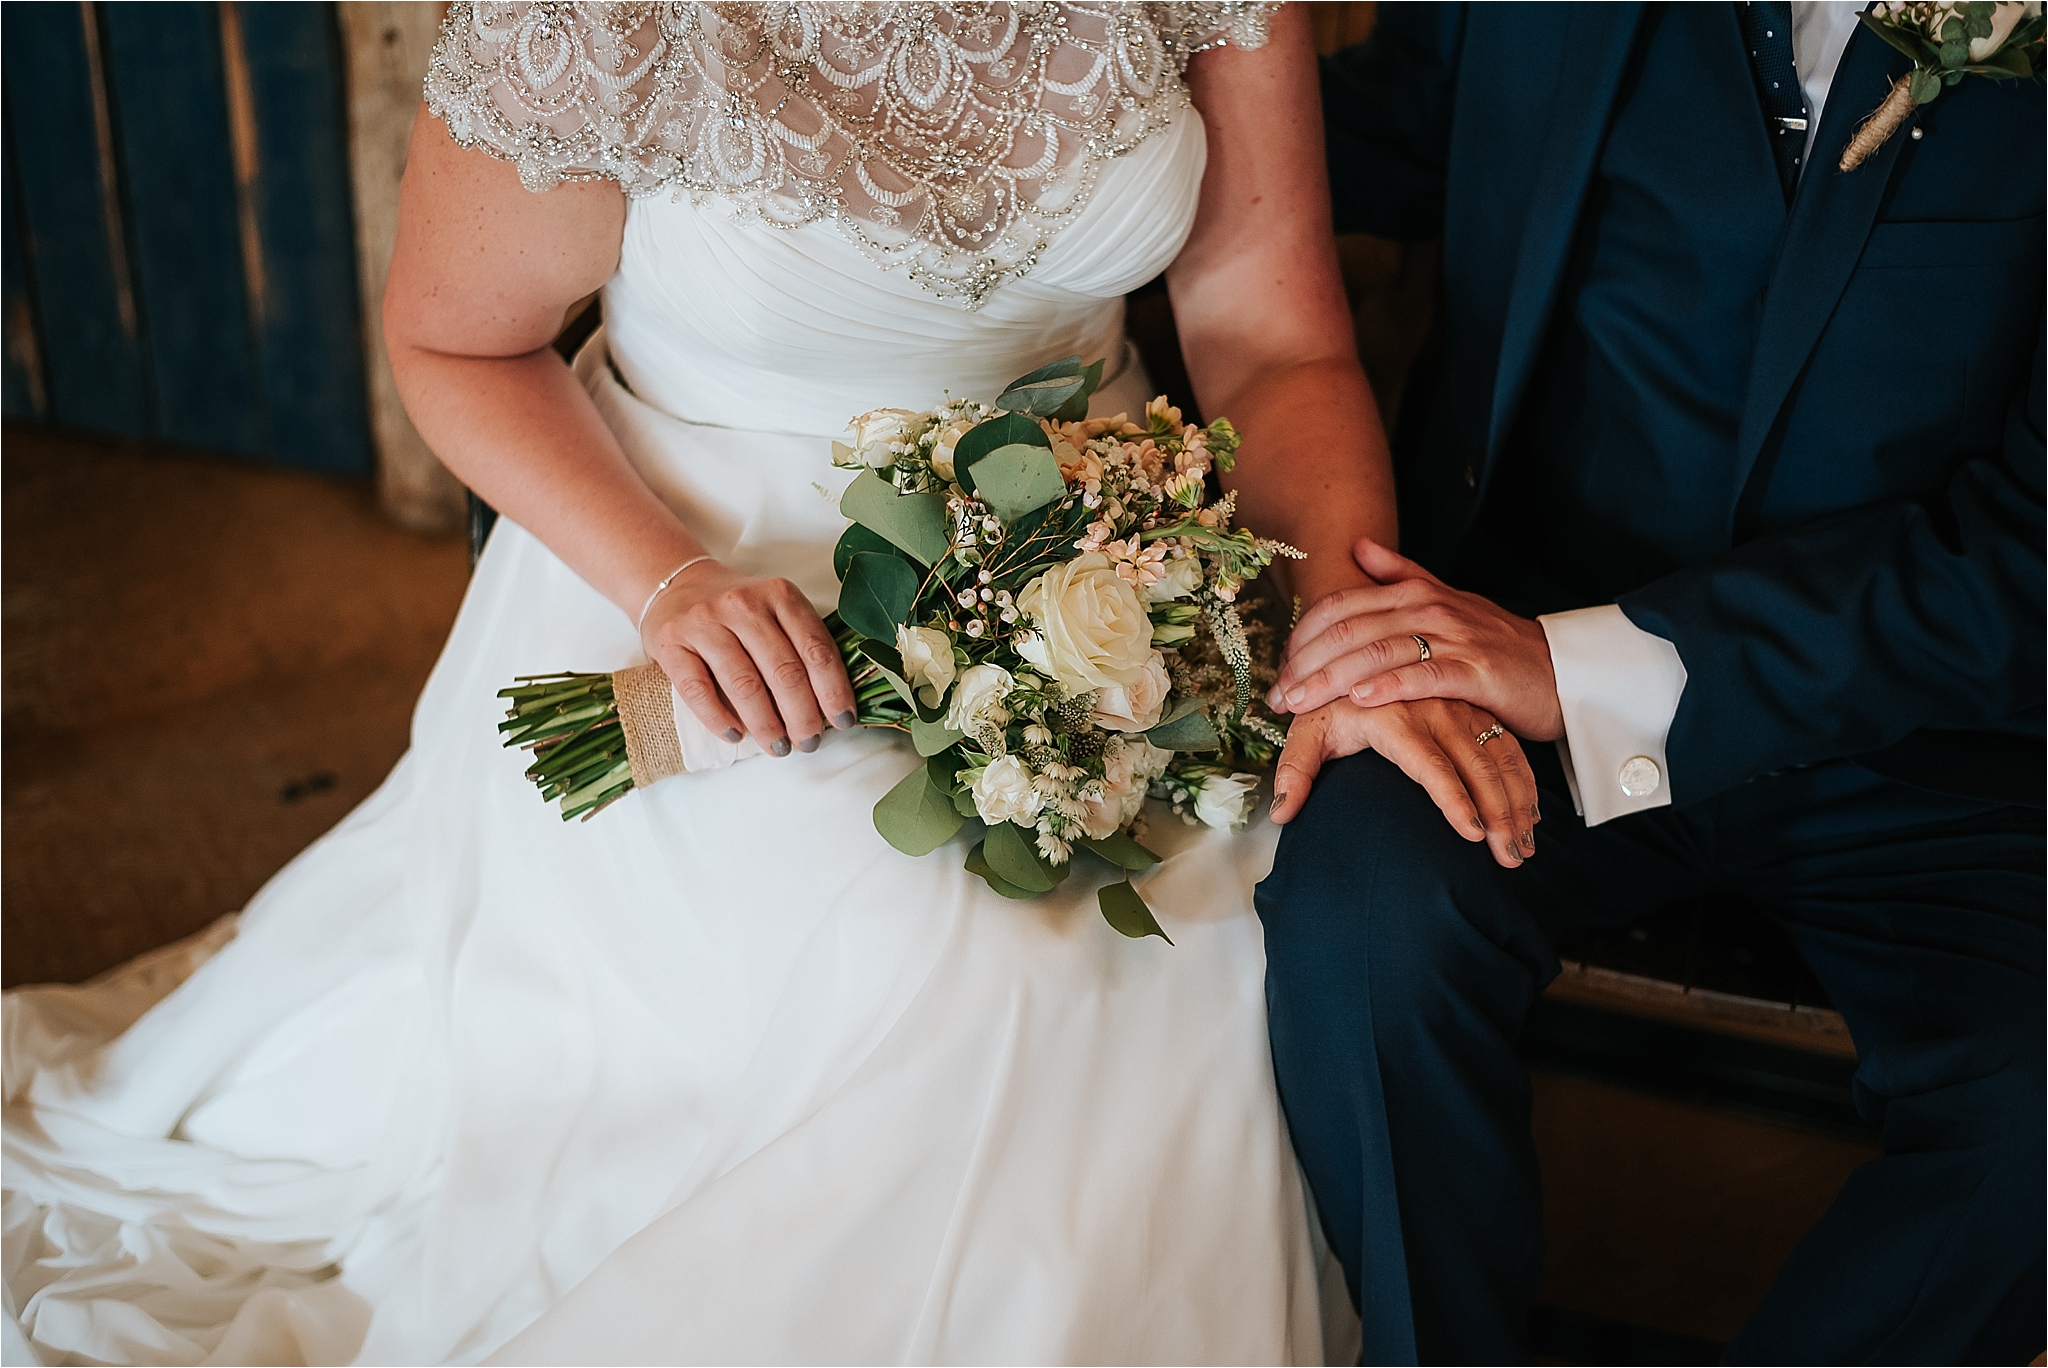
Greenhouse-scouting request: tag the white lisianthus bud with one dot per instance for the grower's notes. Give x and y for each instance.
(1093, 632)
(1225, 800)
(1136, 706)
(979, 698)
(1179, 577)
(1003, 792)
(927, 662)
(942, 452)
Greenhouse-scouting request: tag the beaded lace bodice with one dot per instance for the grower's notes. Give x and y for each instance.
(954, 140)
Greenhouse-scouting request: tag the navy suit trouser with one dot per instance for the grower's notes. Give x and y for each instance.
(1402, 962)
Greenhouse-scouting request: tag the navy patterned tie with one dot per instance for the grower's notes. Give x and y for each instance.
(1767, 33)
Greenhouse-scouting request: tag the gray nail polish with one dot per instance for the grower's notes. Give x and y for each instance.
(1529, 839)
(845, 720)
(732, 734)
(781, 747)
(808, 744)
(1279, 801)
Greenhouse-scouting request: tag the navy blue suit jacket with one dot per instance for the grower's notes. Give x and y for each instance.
(1880, 592)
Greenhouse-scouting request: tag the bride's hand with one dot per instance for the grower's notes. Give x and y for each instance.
(749, 654)
(1487, 792)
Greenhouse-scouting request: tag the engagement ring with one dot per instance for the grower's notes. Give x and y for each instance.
(1422, 644)
(1495, 730)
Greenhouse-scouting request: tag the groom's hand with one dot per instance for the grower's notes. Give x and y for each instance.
(1361, 644)
(1486, 790)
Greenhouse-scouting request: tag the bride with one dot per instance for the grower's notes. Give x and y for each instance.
(720, 1076)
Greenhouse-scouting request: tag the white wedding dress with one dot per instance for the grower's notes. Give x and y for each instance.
(718, 1076)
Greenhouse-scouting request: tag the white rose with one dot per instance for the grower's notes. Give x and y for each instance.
(1004, 793)
(1136, 706)
(1092, 631)
(1148, 761)
(1225, 800)
(2003, 20)
(1181, 576)
(980, 698)
(876, 431)
(927, 662)
(942, 451)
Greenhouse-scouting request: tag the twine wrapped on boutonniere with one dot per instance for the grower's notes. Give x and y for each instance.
(1947, 40)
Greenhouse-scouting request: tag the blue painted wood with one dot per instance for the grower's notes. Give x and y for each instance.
(21, 382)
(310, 337)
(92, 355)
(170, 114)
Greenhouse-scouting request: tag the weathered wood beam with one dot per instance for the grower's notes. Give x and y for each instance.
(386, 45)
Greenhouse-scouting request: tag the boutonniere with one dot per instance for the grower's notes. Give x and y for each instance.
(1947, 40)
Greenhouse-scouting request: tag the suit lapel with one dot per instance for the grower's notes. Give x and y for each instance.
(1831, 218)
(1597, 42)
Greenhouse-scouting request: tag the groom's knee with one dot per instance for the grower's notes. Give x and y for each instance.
(1377, 906)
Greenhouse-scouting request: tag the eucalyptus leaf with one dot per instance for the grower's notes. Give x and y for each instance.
(1125, 911)
(877, 595)
(1121, 851)
(892, 668)
(963, 803)
(916, 817)
(977, 863)
(1044, 391)
(1076, 408)
(1007, 429)
(856, 539)
(915, 522)
(1194, 732)
(932, 737)
(1018, 479)
(1924, 86)
(1010, 854)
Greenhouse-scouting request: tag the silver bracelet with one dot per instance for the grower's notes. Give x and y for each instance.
(671, 579)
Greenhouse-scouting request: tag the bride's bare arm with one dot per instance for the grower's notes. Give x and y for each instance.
(1263, 322)
(480, 278)
(1267, 335)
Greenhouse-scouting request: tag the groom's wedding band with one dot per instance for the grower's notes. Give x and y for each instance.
(1495, 730)
(1422, 645)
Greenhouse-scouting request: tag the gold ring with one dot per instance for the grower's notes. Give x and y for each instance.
(1495, 730)
(1422, 645)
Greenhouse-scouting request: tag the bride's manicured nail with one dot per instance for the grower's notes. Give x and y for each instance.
(1279, 802)
(732, 735)
(1529, 841)
(808, 744)
(781, 747)
(845, 720)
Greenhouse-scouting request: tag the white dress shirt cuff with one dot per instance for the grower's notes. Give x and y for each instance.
(1618, 687)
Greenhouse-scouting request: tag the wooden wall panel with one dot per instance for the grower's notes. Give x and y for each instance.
(284, 60)
(170, 113)
(75, 257)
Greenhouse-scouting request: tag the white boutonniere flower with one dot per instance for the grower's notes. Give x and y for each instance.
(1946, 40)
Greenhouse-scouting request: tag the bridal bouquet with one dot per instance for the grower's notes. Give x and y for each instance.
(1047, 604)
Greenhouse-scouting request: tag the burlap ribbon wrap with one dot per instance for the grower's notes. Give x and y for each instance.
(647, 715)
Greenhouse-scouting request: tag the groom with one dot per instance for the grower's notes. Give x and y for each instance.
(1727, 479)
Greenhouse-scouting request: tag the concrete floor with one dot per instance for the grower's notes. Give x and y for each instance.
(207, 664)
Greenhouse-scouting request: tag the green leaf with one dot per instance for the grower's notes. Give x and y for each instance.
(1121, 851)
(1018, 479)
(915, 816)
(1924, 86)
(1902, 41)
(1008, 429)
(963, 803)
(856, 539)
(1010, 853)
(878, 594)
(1076, 408)
(932, 737)
(1194, 732)
(977, 863)
(1046, 390)
(915, 522)
(1124, 910)
(892, 668)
